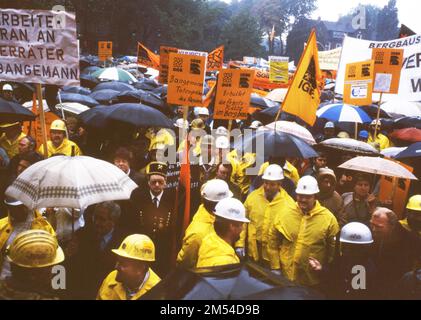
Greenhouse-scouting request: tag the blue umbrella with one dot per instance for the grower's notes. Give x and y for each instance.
(408, 122)
(270, 143)
(130, 96)
(413, 151)
(80, 90)
(114, 85)
(343, 113)
(80, 98)
(13, 112)
(90, 70)
(105, 96)
(137, 115)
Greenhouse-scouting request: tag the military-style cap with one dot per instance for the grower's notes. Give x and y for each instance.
(159, 168)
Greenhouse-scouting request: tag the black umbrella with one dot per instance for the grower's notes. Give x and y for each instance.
(130, 96)
(146, 84)
(137, 115)
(261, 102)
(13, 112)
(80, 90)
(88, 81)
(231, 282)
(371, 110)
(408, 122)
(90, 69)
(413, 151)
(105, 96)
(114, 85)
(270, 143)
(80, 98)
(268, 115)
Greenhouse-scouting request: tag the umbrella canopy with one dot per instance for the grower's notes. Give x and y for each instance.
(88, 81)
(237, 282)
(114, 85)
(70, 182)
(392, 152)
(72, 107)
(350, 145)
(130, 96)
(408, 122)
(13, 112)
(79, 98)
(276, 144)
(292, 128)
(402, 107)
(343, 113)
(371, 110)
(277, 95)
(79, 90)
(137, 115)
(261, 102)
(413, 151)
(408, 134)
(90, 70)
(379, 166)
(105, 96)
(114, 74)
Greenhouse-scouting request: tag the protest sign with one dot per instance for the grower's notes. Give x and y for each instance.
(359, 83)
(105, 50)
(164, 56)
(278, 69)
(387, 69)
(329, 60)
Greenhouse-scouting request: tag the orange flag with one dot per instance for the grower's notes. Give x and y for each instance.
(303, 96)
(147, 57)
(215, 59)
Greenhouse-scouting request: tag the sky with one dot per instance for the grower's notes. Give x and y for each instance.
(408, 10)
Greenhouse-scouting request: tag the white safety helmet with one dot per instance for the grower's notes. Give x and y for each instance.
(307, 185)
(273, 172)
(181, 123)
(231, 209)
(255, 124)
(330, 125)
(203, 111)
(356, 232)
(221, 131)
(375, 121)
(215, 190)
(222, 142)
(7, 87)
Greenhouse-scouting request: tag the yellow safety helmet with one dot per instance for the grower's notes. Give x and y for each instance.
(197, 124)
(414, 203)
(35, 249)
(58, 125)
(137, 247)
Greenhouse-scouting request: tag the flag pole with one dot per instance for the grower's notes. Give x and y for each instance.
(378, 115)
(42, 117)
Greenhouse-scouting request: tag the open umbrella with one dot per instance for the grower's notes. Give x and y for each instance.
(277, 95)
(413, 151)
(258, 101)
(343, 113)
(291, 128)
(72, 107)
(130, 96)
(402, 107)
(408, 134)
(146, 84)
(13, 112)
(114, 74)
(90, 70)
(137, 115)
(79, 90)
(114, 85)
(231, 282)
(276, 144)
(408, 122)
(350, 145)
(79, 98)
(379, 166)
(70, 182)
(88, 81)
(105, 96)
(392, 152)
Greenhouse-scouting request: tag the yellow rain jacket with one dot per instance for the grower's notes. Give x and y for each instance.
(261, 214)
(161, 137)
(290, 171)
(215, 251)
(239, 166)
(381, 139)
(199, 228)
(11, 147)
(6, 229)
(65, 148)
(113, 290)
(405, 225)
(295, 237)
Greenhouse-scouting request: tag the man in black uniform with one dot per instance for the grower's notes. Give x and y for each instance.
(154, 207)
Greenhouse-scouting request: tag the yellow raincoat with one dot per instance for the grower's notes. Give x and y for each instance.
(65, 148)
(261, 214)
(161, 137)
(113, 290)
(215, 251)
(199, 228)
(381, 139)
(405, 225)
(11, 147)
(295, 237)
(290, 171)
(239, 175)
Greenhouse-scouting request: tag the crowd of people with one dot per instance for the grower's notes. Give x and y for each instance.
(306, 220)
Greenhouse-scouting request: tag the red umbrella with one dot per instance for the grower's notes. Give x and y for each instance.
(408, 134)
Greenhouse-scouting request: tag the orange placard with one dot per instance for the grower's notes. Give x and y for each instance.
(105, 50)
(164, 55)
(35, 131)
(387, 69)
(358, 88)
(186, 77)
(146, 57)
(395, 189)
(233, 94)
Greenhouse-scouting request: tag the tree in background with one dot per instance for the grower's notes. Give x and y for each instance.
(388, 22)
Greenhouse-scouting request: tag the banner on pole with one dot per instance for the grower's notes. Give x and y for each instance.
(359, 83)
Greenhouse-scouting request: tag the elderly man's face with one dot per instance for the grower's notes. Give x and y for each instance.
(24, 146)
(123, 164)
(380, 226)
(223, 173)
(157, 184)
(103, 221)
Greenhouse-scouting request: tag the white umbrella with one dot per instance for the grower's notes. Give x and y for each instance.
(348, 144)
(392, 152)
(402, 107)
(277, 95)
(70, 182)
(379, 166)
(291, 128)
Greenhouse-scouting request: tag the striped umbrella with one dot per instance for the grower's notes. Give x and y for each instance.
(114, 74)
(343, 113)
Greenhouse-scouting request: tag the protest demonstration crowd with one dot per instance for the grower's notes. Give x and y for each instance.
(161, 175)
